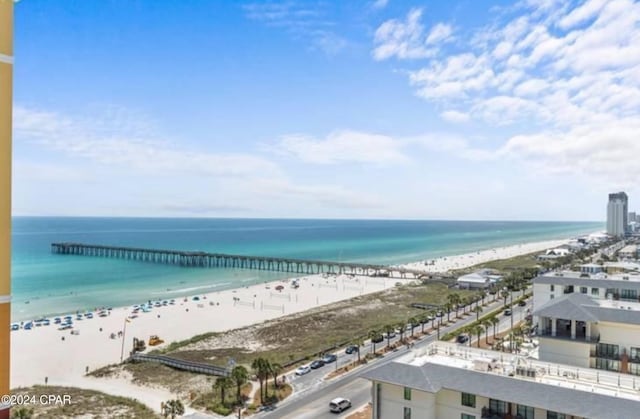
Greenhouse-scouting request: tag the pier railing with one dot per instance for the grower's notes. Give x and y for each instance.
(220, 260)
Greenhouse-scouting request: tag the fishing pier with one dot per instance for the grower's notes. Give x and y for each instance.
(195, 259)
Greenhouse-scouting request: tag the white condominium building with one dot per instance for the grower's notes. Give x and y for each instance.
(617, 214)
(447, 381)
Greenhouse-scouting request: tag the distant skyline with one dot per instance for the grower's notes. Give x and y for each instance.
(526, 110)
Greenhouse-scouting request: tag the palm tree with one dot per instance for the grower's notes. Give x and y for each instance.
(505, 294)
(494, 322)
(486, 323)
(412, 321)
(388, 330)
(275, 370)
(260, 368)
(400, 326)
(374, 335)
(240, 376)
(478, 329)
(448, 307)
(477, 310)
(433, 314)
(483, 295)
(222, 384)
(172, 408)
(454, 300)
(358, 343)
(423, 320)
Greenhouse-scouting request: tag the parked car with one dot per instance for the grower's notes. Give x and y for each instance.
(329, 358)
(351, 349)
(317, 364)
(522, 303)
(303, 370)
(377, 339)
(507, 312)
(390, 335)
(462, 338)
(339, 405)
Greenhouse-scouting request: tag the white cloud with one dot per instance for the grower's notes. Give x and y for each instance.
(402, 39)
(111, 140)
(565, 78)
(380, 4)
(440, 33)
(302, 21)
(344, 146)
(455, 116)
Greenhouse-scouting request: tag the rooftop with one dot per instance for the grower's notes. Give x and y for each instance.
(577, 306)
(561, 277)
(503, 376)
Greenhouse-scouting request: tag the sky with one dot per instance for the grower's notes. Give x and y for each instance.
(525, 110)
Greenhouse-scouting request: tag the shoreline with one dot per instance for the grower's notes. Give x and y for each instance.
(63, 358)
(439, 264)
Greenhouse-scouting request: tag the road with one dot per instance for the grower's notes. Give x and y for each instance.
(312, 396)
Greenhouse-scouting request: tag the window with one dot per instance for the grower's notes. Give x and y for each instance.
(607, 364)
(634, 369)
(607, 350)
(497, 406)
(468, 399)
(407, 393)
(629, 295)
(552, 297)
(583, 290)
(526, 412)
(634, 355)
(595, 291)
(467, 416)
(555, 415)
(553, 287)
(407, 413)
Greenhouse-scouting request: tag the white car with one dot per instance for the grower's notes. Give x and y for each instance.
(338, 405)
(305, 369)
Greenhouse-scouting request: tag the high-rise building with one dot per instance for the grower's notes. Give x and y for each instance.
(632, 217)
(6, 89)
(617, 213)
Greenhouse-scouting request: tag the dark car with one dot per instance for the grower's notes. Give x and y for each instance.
(329, 358)
(462, 338)
(377, 339)
(522, 303)
(317, 364)
(507, 312)
(351, 349)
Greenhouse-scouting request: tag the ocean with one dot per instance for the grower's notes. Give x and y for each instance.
(45, 284)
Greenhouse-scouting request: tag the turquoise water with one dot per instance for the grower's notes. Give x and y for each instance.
(44, 283)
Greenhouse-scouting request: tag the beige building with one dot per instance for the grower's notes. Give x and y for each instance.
(577, 329)
(446, 381)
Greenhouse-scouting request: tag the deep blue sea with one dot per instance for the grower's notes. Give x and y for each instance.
(45, 284)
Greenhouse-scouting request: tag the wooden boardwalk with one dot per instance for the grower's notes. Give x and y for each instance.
(219, 260)
(181, 364)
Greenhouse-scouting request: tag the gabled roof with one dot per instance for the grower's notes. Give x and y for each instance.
(569, 306)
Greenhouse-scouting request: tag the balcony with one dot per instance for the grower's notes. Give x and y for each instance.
(493, 414)
(561, 334)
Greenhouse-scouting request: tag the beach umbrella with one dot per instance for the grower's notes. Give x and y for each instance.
(279, 287)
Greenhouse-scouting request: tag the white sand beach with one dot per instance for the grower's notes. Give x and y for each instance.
(62, 358)
(448, 263)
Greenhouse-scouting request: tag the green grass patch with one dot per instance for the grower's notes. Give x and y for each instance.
(84, 403)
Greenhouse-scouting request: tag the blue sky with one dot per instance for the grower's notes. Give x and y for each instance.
(525, 110)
